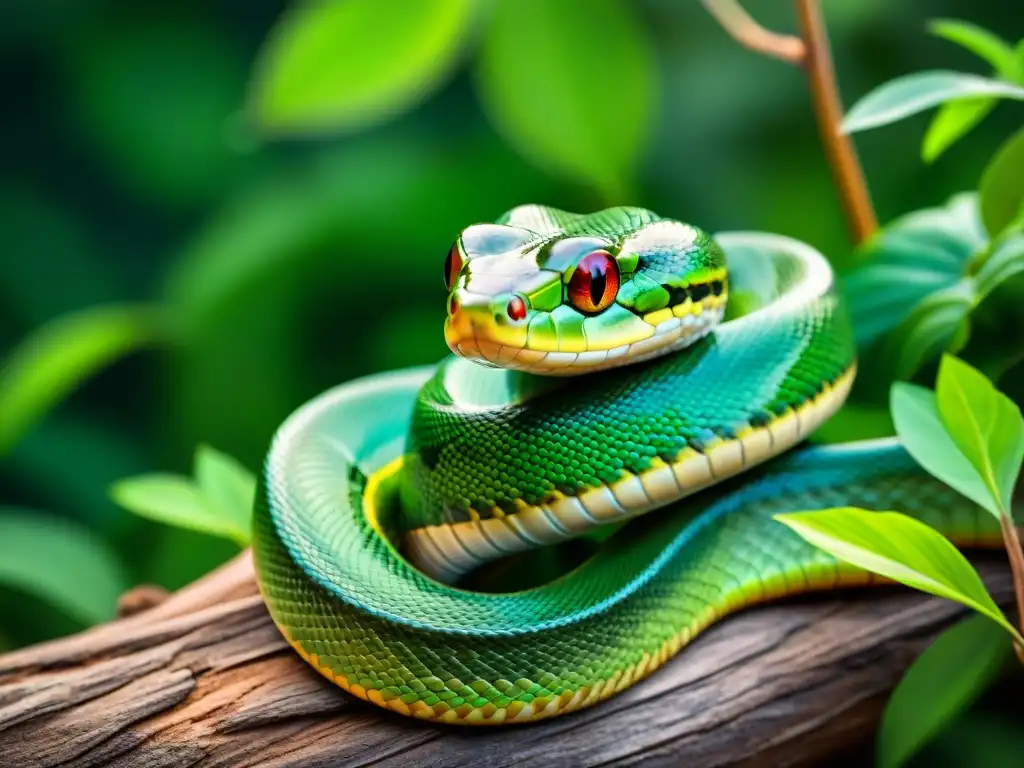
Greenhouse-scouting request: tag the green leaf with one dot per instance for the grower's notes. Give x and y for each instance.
(1002, 187)
(342, 66)
(226, 484)
(915, 412)
(984, 423)
(913, 256)
(899, 548)
(579, 98)
(914, 93)
(59, 356)
(176, 500)
(935, 325)
(943, 682)
(61, 562)
(952, 122)
(980, 42)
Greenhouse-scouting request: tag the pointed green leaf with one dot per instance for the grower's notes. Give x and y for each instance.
(552, 98)
(943, 682)
(984, 423)
(915, 412)
(979, 41)
(61, 562)
(342, 66)
(226, 484)
(914, 93)
(952, 122)
(61, 355)
(899, 548)
(176, 500)
(1002, 187)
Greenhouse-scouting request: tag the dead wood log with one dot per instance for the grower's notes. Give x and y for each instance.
(203, 678)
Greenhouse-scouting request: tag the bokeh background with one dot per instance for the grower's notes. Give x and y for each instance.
(130, 176)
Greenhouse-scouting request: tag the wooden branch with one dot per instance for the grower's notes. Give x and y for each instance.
(1011, 539)
(204, 679)
(744, 30)
(842, 157)
(811, 51)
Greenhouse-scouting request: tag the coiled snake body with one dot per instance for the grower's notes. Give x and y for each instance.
(702, 361)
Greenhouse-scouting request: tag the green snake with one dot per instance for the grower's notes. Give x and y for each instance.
(605, 365)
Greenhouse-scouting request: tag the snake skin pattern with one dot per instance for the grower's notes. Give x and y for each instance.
(452, 466)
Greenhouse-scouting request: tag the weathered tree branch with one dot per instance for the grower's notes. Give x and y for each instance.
(204, 679)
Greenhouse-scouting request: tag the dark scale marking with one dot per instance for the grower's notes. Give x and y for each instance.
(677, 294)
(700, 291)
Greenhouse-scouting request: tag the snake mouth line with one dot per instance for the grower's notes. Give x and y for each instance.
(445, 552)
(671, 328)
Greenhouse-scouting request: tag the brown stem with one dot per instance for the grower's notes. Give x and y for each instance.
(1016, 554)
(748, 33)
(846, 170)
(811, 51)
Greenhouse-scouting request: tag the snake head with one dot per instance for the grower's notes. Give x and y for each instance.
(549, 292)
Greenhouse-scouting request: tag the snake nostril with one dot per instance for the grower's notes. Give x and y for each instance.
(454, 305)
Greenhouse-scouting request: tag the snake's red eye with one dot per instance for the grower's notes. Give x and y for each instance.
(452, 267)
(595, 283)
(516, 308)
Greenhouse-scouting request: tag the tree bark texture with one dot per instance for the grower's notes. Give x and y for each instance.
(202, 678)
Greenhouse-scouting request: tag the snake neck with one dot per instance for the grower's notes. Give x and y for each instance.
(449, 548)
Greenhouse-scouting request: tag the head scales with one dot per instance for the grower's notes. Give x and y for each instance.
(549, 292)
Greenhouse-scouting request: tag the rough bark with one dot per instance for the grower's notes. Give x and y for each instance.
(202, 678)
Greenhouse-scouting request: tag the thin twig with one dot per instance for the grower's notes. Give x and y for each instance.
(842, 157)
(1013, 548)
(748, 33)
(811, 51)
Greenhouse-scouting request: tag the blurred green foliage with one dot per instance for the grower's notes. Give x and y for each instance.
(287, 261)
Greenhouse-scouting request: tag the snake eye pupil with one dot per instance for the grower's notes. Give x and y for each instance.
(598, 283)
(595, 282)
(452, 266)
